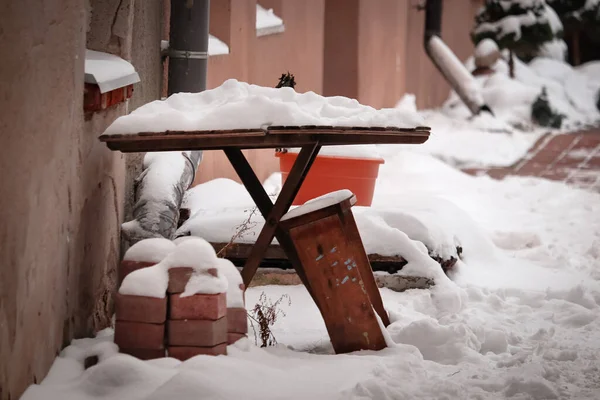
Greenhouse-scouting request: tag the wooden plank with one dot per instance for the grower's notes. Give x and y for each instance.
(265, 206)
(182, 142)
(284, 201)
(238, 253)
(362, 261)
(330, 259)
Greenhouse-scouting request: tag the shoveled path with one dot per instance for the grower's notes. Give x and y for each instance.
(573, 158)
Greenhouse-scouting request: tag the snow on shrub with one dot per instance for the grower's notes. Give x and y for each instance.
(529, 28)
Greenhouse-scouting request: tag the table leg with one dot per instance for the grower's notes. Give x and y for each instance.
(273, 213)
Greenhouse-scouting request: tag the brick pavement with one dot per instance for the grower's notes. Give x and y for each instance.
(573, 158)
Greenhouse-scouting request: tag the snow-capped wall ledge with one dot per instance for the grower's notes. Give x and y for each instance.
(108, 71)
(216, 46)
(267, 23)
(239, 105)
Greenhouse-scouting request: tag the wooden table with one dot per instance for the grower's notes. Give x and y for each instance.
(309, 138)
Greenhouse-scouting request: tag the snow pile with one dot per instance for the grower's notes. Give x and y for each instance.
(218, 224)
(485, 48)
(198, 254)
(235, 105)
(149, 250)
(571, 91)
(467, 141)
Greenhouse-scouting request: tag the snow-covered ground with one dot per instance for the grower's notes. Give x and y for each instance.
(520, 318)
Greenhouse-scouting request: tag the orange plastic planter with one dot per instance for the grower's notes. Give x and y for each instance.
(331, 173)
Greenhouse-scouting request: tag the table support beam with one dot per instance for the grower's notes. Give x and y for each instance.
(273, 212)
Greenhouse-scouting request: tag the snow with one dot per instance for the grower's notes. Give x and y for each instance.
(366, 151)
(235, 105)
(570, 93)
(219, 225)
(491, 141)
(149, 250)
(485, 48)
(509, 25)
(108, 71)
(553, 20)
(195, 253)
(319, 203)
(519, 317)
(235, 291)
(267, 22)
(519, 321)
(556, 49)
(590, 69)
(216, 46)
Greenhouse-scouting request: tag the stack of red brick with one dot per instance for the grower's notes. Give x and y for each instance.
(180, 327)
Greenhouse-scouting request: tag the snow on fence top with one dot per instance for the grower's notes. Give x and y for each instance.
(239, 105)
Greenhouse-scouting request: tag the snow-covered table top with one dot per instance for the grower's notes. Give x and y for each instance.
(237, 114)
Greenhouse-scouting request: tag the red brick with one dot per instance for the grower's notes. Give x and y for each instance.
(198, 306)
(594, 162)
(141, 309)
(213, 271)
(126, 267)
(144, 354)
(197, 333)
(185, 352)
(237, 320)
(139, 335)
(531, 169)
(555, 174)
(178, 278)
(234, 337)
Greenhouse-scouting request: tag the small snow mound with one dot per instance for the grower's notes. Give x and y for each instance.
(536, 388)
(151, 282)
(408, 102)
(205, 283)
(149, 250)
(195, 253)
(486, 48)
(495, 341)
(235, 291)
(203, 196)
(445, 344)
